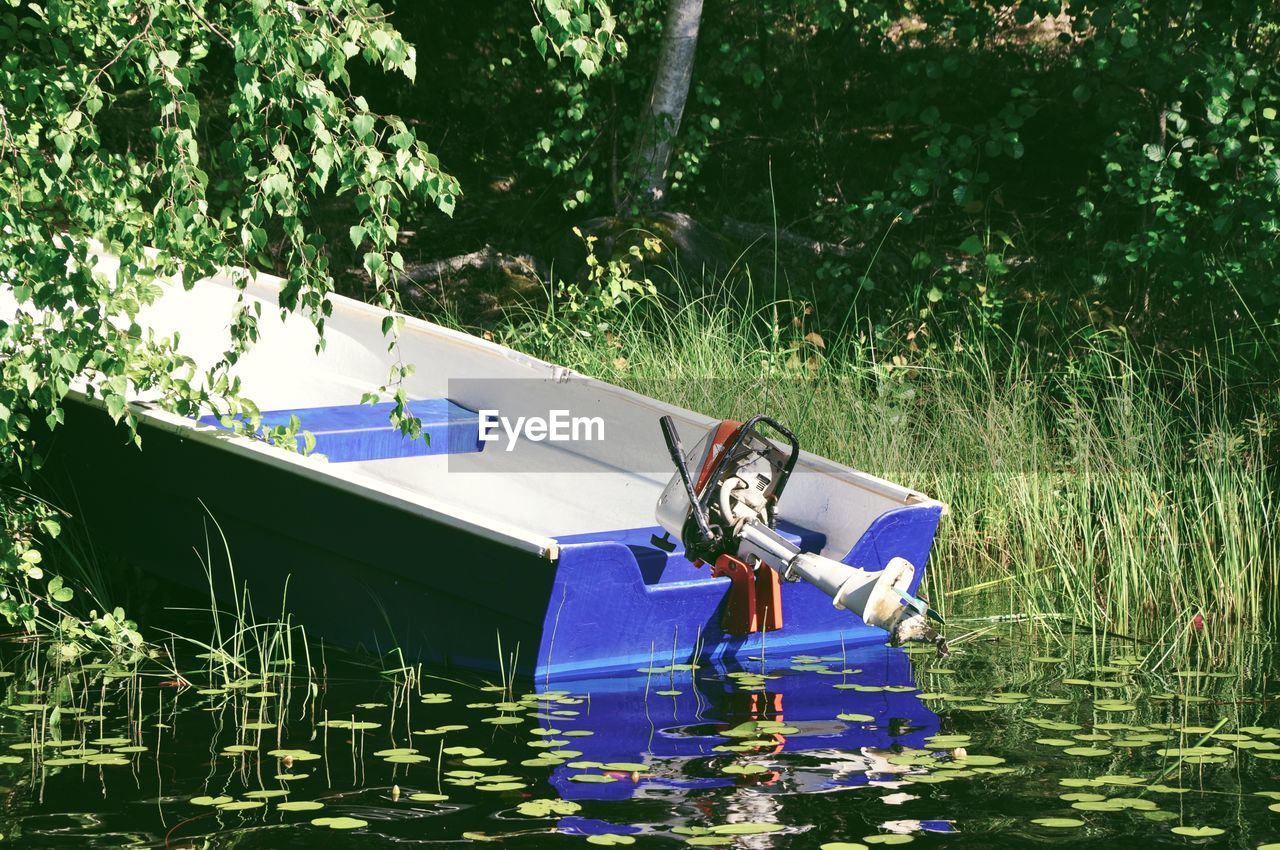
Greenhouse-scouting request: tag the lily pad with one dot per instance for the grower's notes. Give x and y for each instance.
(241, 805)
(206, 800)
(300, 805)
(354, 725)
(626, 766)
(339, 823)
(546, 808)
(744, 769)
(1197, 831)
(981, 760)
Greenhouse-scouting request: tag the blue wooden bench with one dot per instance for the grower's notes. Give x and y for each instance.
(355, 432)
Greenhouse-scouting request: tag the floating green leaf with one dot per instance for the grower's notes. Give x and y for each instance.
(299, 805)
(1197, 831)
(209, 801)
(744, 769)
(340, 823)
(546, 808)
(428, 798)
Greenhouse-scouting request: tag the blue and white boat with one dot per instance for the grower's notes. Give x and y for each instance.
(527, 552)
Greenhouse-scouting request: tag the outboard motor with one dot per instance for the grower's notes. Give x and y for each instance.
(722, 505)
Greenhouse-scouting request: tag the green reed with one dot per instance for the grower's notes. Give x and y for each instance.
(1122, 491)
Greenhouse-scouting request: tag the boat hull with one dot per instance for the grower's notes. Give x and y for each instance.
(350, 569)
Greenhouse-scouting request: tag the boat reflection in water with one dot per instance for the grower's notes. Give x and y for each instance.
(809, 725)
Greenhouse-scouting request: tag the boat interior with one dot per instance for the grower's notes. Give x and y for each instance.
(541, 493)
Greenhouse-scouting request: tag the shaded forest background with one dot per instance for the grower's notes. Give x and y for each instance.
(1046, 167)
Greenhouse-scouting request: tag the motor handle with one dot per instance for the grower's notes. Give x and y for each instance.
(696, 507)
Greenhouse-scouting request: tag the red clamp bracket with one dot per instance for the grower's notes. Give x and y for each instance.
(755, 597)
(768, 600)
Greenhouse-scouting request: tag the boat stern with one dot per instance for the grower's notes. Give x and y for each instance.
(620, 602)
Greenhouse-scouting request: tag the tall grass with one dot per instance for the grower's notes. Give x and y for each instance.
(1120, 490)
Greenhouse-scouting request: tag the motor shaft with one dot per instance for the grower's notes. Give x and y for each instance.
(880, 598)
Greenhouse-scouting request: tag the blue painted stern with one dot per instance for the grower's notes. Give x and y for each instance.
(620, 603)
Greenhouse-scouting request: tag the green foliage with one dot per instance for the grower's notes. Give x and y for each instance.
(23, 522)
(570, 148)
(179, 138)
(148, 142)
(1136, 142)
(588, 309)
(1188, 198)
(568, 31)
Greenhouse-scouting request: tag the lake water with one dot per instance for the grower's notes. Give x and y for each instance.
(1013, 740)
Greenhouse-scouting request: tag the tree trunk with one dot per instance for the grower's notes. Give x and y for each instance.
(660, 120)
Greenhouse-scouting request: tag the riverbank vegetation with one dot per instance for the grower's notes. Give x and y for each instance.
(1098, 485)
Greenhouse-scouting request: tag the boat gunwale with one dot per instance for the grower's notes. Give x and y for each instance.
(266, 287)
(349, 480)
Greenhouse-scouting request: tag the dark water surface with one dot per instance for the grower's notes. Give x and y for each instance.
(1007, 743)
